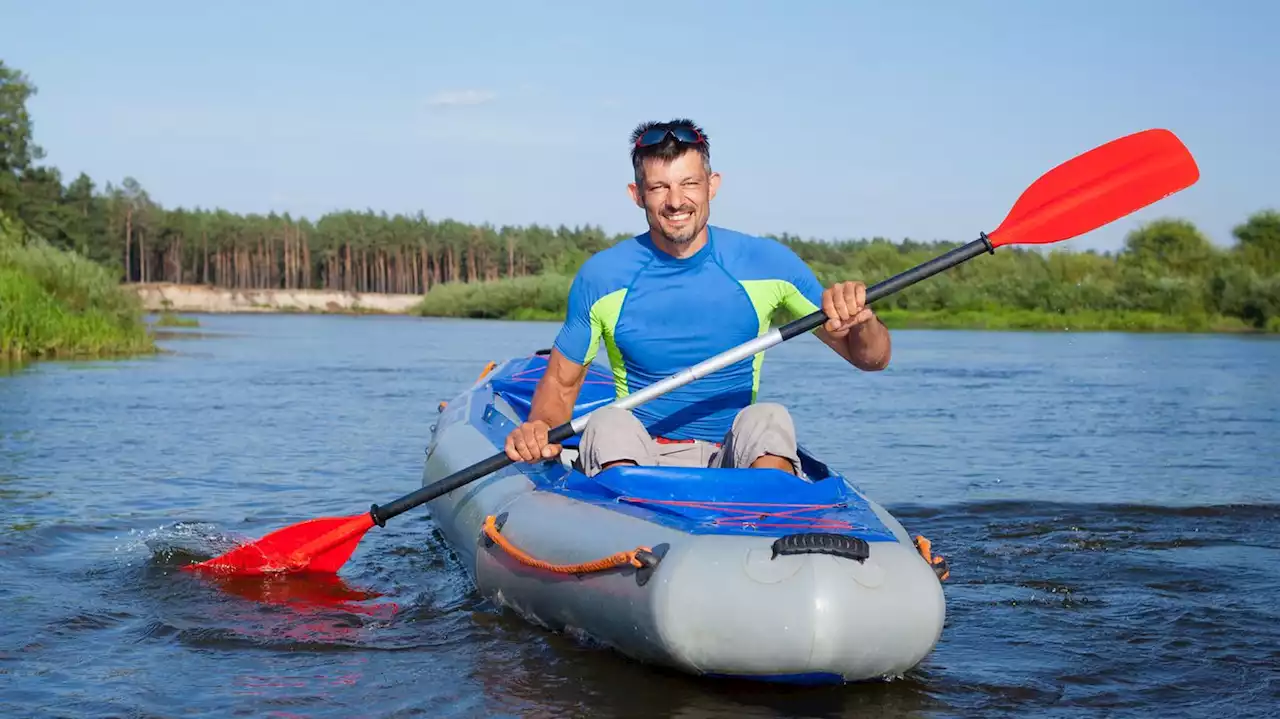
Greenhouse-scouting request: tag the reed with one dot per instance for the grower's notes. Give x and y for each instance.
(55, 303)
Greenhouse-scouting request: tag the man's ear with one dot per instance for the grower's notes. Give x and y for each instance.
(713, 184)
(635, 195)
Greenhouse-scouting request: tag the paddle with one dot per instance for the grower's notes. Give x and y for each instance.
(1082, 194)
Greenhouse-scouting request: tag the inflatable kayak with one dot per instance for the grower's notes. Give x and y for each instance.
(745, 573)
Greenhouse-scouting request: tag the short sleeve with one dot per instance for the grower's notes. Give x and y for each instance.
(578, 339)
(807, 295)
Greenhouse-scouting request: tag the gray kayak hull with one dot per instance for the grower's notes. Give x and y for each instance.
(714, 604)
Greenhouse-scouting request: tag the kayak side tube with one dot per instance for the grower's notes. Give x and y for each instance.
(761, 606)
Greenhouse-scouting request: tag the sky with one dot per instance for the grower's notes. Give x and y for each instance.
(828, 119)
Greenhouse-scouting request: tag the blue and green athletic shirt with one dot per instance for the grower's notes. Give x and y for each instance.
(658, 315)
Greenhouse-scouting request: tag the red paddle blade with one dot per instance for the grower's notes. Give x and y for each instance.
(317, 545)
(1098, 187)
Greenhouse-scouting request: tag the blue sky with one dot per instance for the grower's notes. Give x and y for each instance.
(828, 119)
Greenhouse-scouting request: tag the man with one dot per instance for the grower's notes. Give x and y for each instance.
(676, 295)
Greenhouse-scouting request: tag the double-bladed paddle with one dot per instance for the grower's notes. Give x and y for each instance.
(1080, 195)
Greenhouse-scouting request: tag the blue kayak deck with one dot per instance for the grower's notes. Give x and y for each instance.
(693, 500)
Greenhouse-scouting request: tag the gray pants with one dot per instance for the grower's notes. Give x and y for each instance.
(613, 435)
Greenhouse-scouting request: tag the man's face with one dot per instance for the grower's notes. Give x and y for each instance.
(676, 196)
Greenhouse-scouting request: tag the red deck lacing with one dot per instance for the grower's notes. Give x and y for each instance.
(751, 514)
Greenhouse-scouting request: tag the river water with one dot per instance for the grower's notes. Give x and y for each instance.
(1109, 504)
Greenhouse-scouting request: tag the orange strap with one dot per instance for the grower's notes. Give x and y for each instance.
(483, 373)
(614, 560)
(925, 547)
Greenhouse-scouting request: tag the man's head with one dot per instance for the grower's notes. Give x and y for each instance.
(674, 183)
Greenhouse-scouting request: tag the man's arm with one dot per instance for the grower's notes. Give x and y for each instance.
(557, 390)
(867, 348)
(552, 406)
(852, 329)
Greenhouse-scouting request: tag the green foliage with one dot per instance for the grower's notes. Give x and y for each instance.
(1168, 247)
(541, 297)
(1204, 289)
(16, 148)
(169, 319)
(54, 303)
(1259, 239)
(1168, 275)
(1078, 321)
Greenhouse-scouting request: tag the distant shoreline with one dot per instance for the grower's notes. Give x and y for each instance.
(208, 299)
(204, 299)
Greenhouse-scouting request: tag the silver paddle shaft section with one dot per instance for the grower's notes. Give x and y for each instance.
(685, 376)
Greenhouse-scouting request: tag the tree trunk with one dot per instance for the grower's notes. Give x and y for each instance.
(128, 241)
(346, 277)
(424, 266)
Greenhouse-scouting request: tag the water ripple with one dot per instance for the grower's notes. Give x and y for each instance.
(1111, 519)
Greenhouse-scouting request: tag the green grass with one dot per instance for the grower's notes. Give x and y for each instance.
(56, 304)
(1078, 321)
(541, 297)
(545, 298)
(168, 319)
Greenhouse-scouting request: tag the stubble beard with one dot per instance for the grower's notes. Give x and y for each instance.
(684, 236)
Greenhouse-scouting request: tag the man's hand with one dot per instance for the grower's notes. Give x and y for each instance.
(528, 443)
(843, 304)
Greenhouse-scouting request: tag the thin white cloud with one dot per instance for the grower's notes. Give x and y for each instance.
(456, 98)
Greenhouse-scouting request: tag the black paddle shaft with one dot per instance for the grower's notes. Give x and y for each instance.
(457, 479)
(900, 281)
(805, 324)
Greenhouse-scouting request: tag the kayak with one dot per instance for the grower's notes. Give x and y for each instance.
(739, 573)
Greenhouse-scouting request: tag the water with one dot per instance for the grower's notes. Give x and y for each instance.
(1110, 506)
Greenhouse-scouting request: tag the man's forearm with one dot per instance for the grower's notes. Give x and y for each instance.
(867, 346)
(557, 390)
(552, 404)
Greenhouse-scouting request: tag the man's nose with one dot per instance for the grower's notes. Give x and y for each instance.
(675, 199)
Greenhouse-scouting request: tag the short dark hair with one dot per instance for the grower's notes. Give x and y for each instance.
(669, 149)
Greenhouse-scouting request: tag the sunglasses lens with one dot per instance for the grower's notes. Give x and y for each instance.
(684, 134)
(658, 134)
(652, 137)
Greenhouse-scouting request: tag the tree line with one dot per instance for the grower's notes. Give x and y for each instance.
(121, 226)
(1167, 266)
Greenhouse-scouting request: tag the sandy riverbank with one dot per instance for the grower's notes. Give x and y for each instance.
(158, 297)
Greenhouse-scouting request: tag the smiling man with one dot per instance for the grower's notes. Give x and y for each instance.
(676, 295)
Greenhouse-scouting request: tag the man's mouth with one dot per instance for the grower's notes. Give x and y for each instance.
(678, 217)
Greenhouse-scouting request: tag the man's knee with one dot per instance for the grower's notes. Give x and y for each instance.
(610, 421)
(758, 430)
(770, 415)
(611, 436)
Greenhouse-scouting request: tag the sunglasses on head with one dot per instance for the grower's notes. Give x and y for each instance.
(686, 135)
